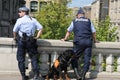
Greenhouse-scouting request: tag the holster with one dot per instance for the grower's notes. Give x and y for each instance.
(26, 38)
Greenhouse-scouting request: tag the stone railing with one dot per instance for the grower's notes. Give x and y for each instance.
(106, 56)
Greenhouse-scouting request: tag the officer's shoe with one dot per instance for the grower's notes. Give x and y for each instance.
(77, 74)
(25, 78)
(36, 77)
(83, 75)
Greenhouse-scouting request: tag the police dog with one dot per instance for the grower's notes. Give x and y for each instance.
(60, 64)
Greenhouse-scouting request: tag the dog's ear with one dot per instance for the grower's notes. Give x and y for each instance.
(65, 53)
(69, 52)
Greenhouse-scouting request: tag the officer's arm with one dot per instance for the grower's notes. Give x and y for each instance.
(39, 28)
(38, 34)
(66, 36)
(93, 33)
(94, 38)
(16, 29)
(69, 30)
(14, 35)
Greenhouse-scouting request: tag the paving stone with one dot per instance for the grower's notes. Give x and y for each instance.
(18, 77)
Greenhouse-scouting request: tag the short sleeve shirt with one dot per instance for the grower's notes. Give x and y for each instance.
(28, 25)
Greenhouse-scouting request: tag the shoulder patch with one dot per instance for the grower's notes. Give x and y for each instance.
(86, 20)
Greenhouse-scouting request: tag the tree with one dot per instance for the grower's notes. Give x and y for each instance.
(55, 19)
(106, 31)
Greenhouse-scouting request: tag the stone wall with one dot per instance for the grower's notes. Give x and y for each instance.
(50, 49)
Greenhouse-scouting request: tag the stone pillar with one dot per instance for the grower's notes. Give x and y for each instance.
(99, 61)
(109, 63)
(44, 66)
(44, 57)
(118, 62)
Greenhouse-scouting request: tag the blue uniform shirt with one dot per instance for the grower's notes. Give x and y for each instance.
(70, 28)
(28, 25)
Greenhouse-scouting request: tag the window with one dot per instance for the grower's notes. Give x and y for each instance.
(34, 6)
(42, 4)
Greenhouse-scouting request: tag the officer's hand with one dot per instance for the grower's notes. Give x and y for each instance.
(15, 40)
(63, 39)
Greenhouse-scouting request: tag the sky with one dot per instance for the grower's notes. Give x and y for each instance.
(80, 3)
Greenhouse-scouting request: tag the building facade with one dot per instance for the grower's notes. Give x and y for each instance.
(74, 12)
(99, 10)
(114, 13)
(8, 16)
(36, 5)
(87, 10)
(95, 6)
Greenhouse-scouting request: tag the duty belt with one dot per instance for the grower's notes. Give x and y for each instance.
(27, 38)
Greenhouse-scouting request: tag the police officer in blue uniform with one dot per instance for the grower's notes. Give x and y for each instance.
(84, 35)
(25, 27)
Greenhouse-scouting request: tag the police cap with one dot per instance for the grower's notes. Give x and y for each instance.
(80, 11)
(25, 9)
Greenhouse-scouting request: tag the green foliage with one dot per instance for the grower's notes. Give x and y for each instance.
(106, 31)
(55, 19)
(115, 63)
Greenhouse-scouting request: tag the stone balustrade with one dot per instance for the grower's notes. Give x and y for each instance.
(106, 56)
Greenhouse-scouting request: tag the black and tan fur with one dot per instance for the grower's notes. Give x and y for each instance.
(63, 62)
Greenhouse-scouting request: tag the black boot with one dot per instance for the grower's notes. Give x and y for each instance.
(83, 75)
(77, 74)
(36, 76)
(24, 77)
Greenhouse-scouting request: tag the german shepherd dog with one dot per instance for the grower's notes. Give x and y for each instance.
(60, 64)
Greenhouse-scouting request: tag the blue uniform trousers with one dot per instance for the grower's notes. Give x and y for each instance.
(82, 47)
(31, 48)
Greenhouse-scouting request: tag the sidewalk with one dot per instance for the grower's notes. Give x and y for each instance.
(18, 77)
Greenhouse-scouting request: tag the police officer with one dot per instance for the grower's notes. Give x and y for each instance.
(84, 35)
(25, 27)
